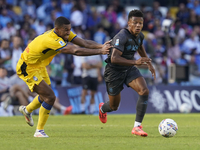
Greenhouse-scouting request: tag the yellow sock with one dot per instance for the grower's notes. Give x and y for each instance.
(35, 104)
(43, 115)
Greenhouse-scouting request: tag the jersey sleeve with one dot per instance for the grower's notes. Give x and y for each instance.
(56, 45)
(71, 36)
(119, 41)
(142, 39)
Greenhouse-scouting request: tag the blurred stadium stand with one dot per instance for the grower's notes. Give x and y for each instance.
(172, 34)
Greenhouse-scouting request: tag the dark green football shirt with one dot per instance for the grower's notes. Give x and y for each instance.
(128, 44)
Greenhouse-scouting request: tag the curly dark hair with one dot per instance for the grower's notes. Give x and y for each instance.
(135, 13)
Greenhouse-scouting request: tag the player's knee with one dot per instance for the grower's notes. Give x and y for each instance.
(144, 91)
(51, 98)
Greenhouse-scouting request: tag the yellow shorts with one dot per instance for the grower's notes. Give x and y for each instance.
(31, 74)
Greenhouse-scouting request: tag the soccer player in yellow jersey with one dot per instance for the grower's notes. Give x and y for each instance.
(31, 67)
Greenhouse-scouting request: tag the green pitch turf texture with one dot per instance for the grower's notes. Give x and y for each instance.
(86, 132)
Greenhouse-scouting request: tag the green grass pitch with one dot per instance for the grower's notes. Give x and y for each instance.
(86, 132)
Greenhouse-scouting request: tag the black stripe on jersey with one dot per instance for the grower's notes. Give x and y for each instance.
(46, 50)
(73, 38)
(23, 69)
(61, 48)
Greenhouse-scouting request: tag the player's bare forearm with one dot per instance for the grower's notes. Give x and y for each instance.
(84, 52)
(141, 51)
(117, 59)
(122, 61)
(70, 49)
(92, 44)
(87, 43)
(87, 52)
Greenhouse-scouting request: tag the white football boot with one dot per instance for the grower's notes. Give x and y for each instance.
(28, 117)
(40, 133)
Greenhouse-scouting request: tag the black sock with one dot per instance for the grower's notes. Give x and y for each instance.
(141, 107)
(106, 107)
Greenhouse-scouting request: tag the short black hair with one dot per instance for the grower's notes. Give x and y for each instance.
(61, 21)
(135, 13)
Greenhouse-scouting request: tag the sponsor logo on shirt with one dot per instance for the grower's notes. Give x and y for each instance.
(128, 47)
(35, 78)
(117, 42)
(61, 43)
(132, 48)
(139, 41)
(135, 47)
(27, 49)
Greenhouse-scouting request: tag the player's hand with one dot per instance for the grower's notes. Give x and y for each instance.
(143, 61)
(151, 68)
(108, 42)
(106, 49)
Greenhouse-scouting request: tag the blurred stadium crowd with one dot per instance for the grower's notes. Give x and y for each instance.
(171, 33)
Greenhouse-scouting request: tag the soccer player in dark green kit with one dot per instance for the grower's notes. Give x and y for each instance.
(120, 69)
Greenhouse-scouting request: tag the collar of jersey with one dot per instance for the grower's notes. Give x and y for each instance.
(57, 34)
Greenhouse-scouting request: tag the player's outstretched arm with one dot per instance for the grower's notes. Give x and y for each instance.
(117, 59)
(74, 50)
(88, 43)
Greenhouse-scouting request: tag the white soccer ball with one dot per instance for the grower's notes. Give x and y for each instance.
(185, 108)
(167, 128)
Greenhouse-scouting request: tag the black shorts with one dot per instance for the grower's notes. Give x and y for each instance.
(90, 83)
(115, 78)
